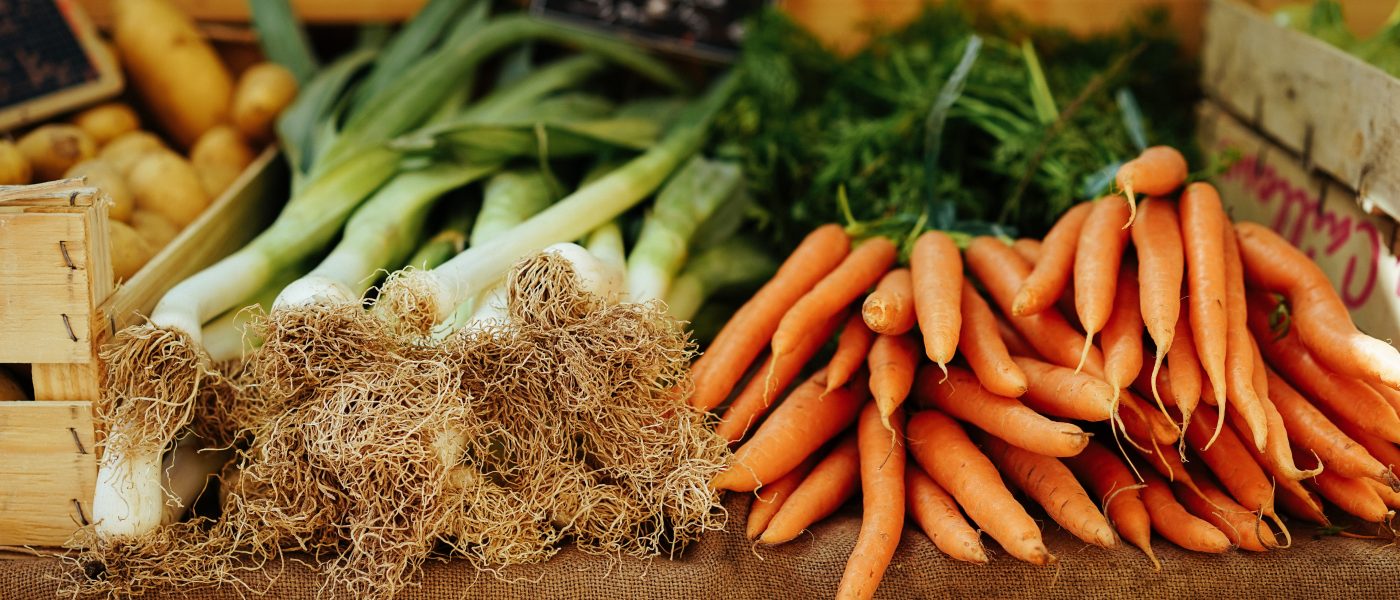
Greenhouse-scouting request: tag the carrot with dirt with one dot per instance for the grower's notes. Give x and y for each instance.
(1122, 335)
(759, 393)
(1118, 489)
(1313, 431)
(1161, 265)
(1239, 350)
(1322, 319)
(1244, 529)
(889, 310)
(1174, 522)
(1158, 171)
(962, 396)
(1060, 392)
(1097, 258)
(861, 269)
(980, 343)
(882, 457)
(1389, 496)
(1353, 496)
(1046, 282)
(938, 515)
(950, 458)
(1202, 223)
(1028, 248)
(768, 499)
(936, 268)
(741, 340)
(1184, 369)
(1051, 484)
(825, 488)
(852, 347)
(893, 360)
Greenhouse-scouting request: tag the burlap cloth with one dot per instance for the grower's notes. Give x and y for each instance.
(725, 565)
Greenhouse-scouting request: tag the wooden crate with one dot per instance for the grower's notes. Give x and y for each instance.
(58, 305)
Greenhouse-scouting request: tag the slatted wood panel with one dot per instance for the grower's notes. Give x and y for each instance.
(46, 294)
(47, 471)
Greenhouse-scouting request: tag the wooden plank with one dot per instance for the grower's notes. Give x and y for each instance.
(1337, 112)
(49, 470)
(67, 381)
(310, 11)
(44, 293)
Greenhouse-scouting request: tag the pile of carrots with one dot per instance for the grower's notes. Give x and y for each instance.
(1252, 390)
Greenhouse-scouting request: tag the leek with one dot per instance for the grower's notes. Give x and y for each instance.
(446, 243)
(729, 265)
(606, 243)
(511, 198)
(227, 336)
(686, 201)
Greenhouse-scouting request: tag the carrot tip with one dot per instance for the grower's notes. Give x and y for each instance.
(943, 367)
(1132, 205)
(1084, 354)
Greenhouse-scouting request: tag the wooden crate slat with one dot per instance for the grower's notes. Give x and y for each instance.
(49, 468)
(67, 381)
(44, 276)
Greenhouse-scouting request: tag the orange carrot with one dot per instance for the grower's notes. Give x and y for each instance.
(800, 425)
(1122, 335)
(1028, 248)
(963, 397)
(770, 498)
(945, 452)
(1051, 484)
(890, 308)
(937, 271)
(1111, 481)
(772, 379)
(1354, 496)
(1175, 523)
(1322, 319)
(1389, 496)
(861, 269)
(1161, 264)
(852, 346)
(882, 456)
(1184, 369)
(1015, 344)
(1239, 524)
(1230, 461)
(1202, 221)
(1239, 352)
(829, 485)
(1143, 384)
(1312, 431)
(1169, 464)
(1161, 427)
(1277, 448)
(981, 344)
(893, 359)
(1383, 451)
(1060, 392)
(937, 513)
(1390, 396)
(1301, 503)
(1097, 258)
(1158, 171)
(1047, 281)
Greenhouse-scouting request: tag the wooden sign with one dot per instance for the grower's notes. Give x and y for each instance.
(51, 61)
(706, 29)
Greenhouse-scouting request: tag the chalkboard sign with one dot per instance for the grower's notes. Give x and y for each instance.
(708, 29)
(50, 61)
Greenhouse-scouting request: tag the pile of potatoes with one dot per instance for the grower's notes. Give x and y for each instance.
(190, 95)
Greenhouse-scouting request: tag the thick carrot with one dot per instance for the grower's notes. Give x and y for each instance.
(1383, 451)
(1112, 482)
(938, 515)
(893, 360)
(1175, 523)
(772, 379)
(1060, 392)
(981, 344)
(1156, 172)
(749, 330)
(890, 308)
(852, 347)
(861, 269)
(1322, 319)
(1244, 529)
(1122, 335)
(1047, 281)
(1051, 484)
(1161, 266)
(963, 397)
(1015, 344)
(834, 479)
(1354, 496)
(882, 456)
(1230, 461)
(945, 452)
(1097, 258)
(1184, 369)
(768, 499)
(1239, 351)
(1392, 397)
(936, 268)
(1311, 430)
(1028, 248)
(800, 425)
(1202, 221)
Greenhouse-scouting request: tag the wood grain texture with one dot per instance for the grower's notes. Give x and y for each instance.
(49, 468)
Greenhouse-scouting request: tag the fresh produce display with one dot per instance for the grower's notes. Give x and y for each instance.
(1323, 19)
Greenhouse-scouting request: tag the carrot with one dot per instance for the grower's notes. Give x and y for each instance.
(893, 359)
(961, 396)
(1051, 484)
(945, 452)
(1312, 431)
(1161, 265)
(1143, 383)
(1277, 448)
(1110, 480)
(1354, 496)
(882, 457)
(852, 346)
(1060, 392)
(890, 308)
(1159, 425)
(1047, 281)
(981, 344)
(1170, 466)
(1015, 344)
(1239, 352)
(1175, 523)
(1239, 524)
(800, 425)
(1383, 451)
(1184, 369)
(830, 484)
(1096, 260)
(1122, 335)
(1322, 319)
(771, 497)
(1156, 172)
(1028, 248)
(1202, 221)
(1001, 271)
(1301, 503)
(1389, 496)
(861, 269)
(935, 265)
(749, 330)
(1390, 396)
(1230, 461)
(938, 515)
(758, 394)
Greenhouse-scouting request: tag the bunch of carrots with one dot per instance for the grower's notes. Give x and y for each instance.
(1251, 391)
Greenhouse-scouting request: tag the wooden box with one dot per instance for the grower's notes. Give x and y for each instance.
(59, 304)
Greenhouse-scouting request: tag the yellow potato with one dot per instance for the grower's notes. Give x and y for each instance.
(219, 156)
(177, 72)
(52, 149)
(14, 166)
(263, 91)
(105, 122)
(123, 153)
(99, 174)
(129, 251)
(166, 183)
(157, 230)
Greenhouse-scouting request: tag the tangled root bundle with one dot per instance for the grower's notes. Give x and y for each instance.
(153, 382)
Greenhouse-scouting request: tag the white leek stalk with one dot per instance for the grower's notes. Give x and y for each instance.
(187, 470)
(510, 199)
(686, 201)
(606, 243)
(733, 263)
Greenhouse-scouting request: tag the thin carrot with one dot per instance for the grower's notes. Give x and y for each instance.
(882, 457)
(1163, 430)
(1239, 351)
(1354, 496)
(1302, 503)
(1161, 265)
(1111, 481)
(1060, 392)
(800, 425)
(893, 359)
(830, 483)
(852, 346)
(1046, 282)
(1311, 430)
(1170, 466)
(768, 499)
(1389, 496)
(1323, 321)
(1230, 461)
(1156, 172)
(1184, 368)
(1277, 448)
(1143, 383)
(1028, 248)
(945, 452)
(1392, 397)
(937, 513)
(961, 396)
(890, 308)
(1202, 221)
(1122, 335)
(1015, 344)
(980, 343)
(936, 267)
(1097, 258)
(772, 379)
(1239, 524)
(1175, 523)
(1051, 484)
(1383, 451)
(861, 269)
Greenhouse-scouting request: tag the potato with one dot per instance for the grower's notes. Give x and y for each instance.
(14, 165)
(105, 122)
(157, 230)
(166, 183)
(101, 175)
(123, 153)
(179, 76)
(219, 156)
(52, 149)
(129, 251)
(263, 91)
